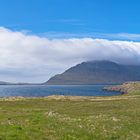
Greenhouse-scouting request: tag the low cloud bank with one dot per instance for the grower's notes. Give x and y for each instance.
(32, 58)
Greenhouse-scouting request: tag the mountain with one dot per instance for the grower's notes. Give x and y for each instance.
(4, 83)
(8, 83)
(97, 72)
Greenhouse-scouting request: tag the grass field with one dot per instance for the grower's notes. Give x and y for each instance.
(69, 118)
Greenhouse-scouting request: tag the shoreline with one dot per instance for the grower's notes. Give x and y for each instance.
(70, 98)
(125, 88)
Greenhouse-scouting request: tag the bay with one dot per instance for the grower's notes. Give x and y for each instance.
(47, 90)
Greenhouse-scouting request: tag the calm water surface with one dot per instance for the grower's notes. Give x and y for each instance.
(45, 90)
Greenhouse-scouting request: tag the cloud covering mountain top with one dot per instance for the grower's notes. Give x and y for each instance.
(33, 58)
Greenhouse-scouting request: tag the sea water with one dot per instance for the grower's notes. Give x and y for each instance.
(47, 90)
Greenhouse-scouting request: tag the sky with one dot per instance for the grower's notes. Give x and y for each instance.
(41, 38)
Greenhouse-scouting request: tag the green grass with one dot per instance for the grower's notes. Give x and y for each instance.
(42, 119)
(136, 92)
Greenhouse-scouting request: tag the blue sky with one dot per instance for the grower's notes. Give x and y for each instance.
(86, 17)
(41, 38)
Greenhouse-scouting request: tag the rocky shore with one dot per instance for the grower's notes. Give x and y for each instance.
(125, 88)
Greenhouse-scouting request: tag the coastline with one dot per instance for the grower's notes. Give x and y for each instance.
(64, 117)
(125, 88)
(70, 98)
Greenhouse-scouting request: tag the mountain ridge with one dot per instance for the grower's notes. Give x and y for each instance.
(97, 72)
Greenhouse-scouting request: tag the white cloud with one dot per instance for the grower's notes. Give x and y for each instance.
(122, 36)
(111, 36)
(32, 58)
